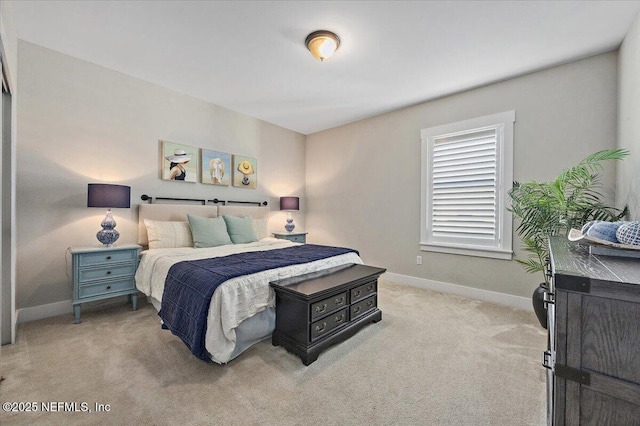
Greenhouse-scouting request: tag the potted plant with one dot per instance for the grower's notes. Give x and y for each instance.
(553, 208)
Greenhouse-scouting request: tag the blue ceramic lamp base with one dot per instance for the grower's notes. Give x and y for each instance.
(108, 235)
(289, 227)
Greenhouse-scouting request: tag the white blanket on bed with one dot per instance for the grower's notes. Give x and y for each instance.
(235, 300)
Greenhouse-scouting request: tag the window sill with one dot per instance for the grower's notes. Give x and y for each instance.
(493, 254)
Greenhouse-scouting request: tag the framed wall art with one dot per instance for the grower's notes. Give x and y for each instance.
(245, 172)
(178, 162)
(216, 167)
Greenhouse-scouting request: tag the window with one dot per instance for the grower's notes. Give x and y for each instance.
(467, 171)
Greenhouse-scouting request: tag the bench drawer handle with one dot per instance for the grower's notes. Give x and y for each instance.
(319, 309)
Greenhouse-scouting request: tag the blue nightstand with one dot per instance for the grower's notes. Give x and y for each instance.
(296, 237)
(104, 272)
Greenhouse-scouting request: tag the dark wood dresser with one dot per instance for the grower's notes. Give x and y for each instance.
(317, 310)
(595, 351)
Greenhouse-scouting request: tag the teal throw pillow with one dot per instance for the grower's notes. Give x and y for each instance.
(208, 232)
(240, 229)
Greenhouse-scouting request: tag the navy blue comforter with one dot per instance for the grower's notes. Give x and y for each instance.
(190, 284)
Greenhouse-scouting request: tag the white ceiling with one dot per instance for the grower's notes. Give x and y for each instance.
(249, 56)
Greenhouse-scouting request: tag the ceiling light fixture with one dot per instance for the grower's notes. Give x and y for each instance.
(322, 44)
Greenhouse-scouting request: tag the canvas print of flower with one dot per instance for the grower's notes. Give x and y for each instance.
(245, 172)
(178, 162)
(216, 167)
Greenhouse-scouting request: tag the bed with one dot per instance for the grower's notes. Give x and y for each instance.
(240, 311)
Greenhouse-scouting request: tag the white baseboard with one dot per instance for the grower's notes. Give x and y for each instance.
(64, 307)
(44, 311)
(510, 300)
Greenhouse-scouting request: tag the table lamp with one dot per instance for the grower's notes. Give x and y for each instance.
(289, 204)
(109, 196)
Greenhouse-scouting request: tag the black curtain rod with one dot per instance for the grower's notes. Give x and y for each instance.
(145, 197)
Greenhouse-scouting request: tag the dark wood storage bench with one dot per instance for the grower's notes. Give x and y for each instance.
(317, 310)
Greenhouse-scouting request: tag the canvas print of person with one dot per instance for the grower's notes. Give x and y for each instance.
(178, 162)
(216, 167)
(245, 172)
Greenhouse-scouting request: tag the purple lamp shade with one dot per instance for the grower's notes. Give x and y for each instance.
(289, 203)
(109, 196)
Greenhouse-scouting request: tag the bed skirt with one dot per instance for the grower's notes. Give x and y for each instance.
(250, 331)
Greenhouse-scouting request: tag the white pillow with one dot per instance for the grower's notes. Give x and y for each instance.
(164, 234)
(261, 227)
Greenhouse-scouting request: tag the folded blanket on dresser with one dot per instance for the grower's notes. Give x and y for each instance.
(189, 286)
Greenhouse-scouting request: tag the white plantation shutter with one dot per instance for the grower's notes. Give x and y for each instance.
(464, 188)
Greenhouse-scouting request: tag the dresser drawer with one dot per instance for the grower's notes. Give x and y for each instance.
(91, 274)
(296, 238)
(363, 291)
(325, 325)
(106, 288)
(105, 258)
(363, 306)
(323, 307)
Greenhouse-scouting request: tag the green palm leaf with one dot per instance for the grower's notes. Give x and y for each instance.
(553, 208)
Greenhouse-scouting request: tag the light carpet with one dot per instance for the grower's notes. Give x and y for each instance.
(434, 359)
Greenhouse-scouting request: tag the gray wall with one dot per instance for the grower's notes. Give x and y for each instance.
(363, 179)
(80, 123)
(628, 182)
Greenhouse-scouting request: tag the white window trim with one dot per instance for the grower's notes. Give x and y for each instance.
(504, 177)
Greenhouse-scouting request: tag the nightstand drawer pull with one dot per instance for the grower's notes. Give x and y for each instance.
(356, 293)
(357, 309)
(321, 328)
(339, 318)
(370, 303)
(370, 288)
(339, 300)
(321, 309)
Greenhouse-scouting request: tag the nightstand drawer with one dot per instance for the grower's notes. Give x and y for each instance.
(107, 257)
(92, 274)
(106, 287)
(296, 237)
(363, 291)
(325, 325)
(363, 307)
(327, 305)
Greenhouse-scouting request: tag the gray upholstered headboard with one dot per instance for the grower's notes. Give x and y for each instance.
(179, 212)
